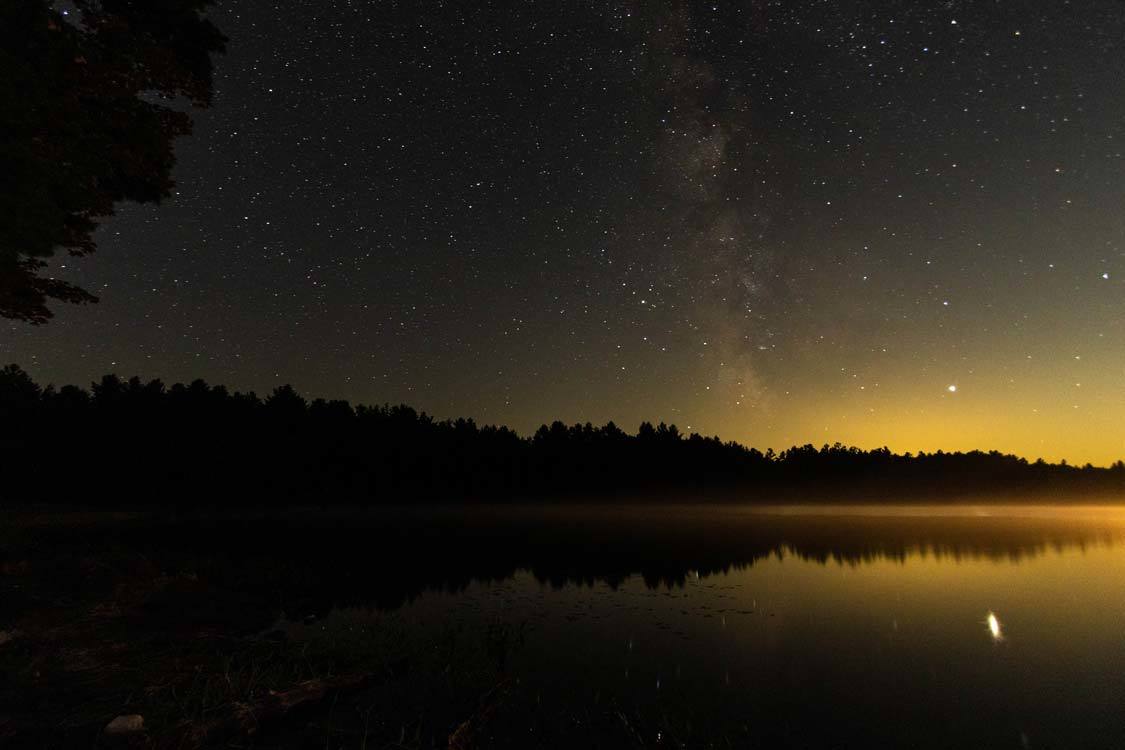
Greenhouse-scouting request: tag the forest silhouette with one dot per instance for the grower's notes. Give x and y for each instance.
(130, 443)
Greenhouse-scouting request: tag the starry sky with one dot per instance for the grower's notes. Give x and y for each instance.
(879, 223)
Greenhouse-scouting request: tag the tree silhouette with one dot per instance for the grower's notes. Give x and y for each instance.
(198, 444)
(18, 392)
(85, 108)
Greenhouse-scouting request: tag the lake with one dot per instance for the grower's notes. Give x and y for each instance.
(905, 626)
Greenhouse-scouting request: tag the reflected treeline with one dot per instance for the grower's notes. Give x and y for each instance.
(253, 567)
(132, 442)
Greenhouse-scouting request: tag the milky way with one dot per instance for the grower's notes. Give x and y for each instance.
(877, 223)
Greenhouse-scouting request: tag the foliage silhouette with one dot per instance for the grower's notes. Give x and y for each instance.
(198, 445)
(84, 127)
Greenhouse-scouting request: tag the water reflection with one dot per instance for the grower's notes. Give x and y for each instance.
(794, 627)
(994, 630)
(308, 564)
(311, 563)
(806, 630)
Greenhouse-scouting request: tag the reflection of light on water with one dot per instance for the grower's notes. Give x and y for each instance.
(993, 623)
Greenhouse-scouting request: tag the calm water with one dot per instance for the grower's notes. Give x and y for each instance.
(908, 627)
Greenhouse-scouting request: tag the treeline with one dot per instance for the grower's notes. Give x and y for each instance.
(130, 442)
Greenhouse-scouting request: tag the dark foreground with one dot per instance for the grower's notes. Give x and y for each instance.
(631, 627)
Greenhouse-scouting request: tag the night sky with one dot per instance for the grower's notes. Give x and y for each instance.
(879, 223)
